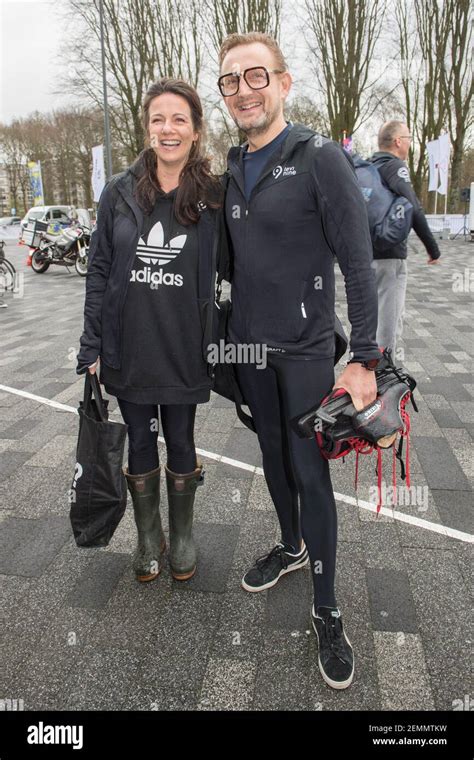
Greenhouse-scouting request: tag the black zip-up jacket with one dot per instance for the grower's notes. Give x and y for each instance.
(306, 208)
(111, 254)
(395, 174)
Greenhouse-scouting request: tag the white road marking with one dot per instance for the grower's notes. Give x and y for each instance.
(387, 511)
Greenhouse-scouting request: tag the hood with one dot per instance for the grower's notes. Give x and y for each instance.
(382, 156)
(298, 133)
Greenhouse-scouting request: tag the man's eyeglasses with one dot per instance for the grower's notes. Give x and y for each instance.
(257, 78)
(404, 137)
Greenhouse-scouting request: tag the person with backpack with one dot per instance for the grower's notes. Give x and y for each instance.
(390, 261)
(292, 208)
(148, 314)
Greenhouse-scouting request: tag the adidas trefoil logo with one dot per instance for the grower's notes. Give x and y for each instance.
(154, 251)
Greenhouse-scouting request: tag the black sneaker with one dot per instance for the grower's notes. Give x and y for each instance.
(268, 569)
(336, 657)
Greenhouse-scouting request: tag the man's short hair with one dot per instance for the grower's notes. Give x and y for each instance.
(388, 132)
(233, 40)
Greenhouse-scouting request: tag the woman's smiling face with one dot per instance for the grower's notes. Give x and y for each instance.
(170, 129)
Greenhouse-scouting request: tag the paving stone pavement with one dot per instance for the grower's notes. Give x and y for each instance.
(78, 632)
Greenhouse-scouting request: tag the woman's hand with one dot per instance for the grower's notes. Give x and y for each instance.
(93, 367)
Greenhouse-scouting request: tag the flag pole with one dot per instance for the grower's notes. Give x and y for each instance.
(108, 149)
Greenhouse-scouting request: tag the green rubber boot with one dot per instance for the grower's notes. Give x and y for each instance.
(181, 493)
(145, 493)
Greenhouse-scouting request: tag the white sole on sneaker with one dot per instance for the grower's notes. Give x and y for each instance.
(295, 566)
(329, 681)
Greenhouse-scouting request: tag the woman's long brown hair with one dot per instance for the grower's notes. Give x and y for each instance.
(196, 182)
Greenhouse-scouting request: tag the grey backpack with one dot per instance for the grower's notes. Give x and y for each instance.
(390, 215)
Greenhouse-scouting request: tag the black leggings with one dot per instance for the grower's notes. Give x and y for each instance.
(293, 466)
(178, 430)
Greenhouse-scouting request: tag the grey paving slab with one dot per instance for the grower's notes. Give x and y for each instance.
(282, 681)
(100, 680)
(19, 428)
(403, 676)
(78, 630)
(28, 546)
(289, 601)
(441, 469)
(228, 685)
(456, 512)
(11, 462)
(391, 602)
(97, 582)
(41, 676)
(439, 593)
(216, 545)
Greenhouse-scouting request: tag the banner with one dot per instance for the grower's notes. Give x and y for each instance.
(433, 162)
(347, 142)
(36, 182)
(98, 171)
(444, 150)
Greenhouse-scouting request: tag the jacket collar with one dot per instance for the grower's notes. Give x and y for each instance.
(125, 185)
(298, 134)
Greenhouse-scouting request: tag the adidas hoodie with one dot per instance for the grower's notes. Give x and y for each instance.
(150, 290)
(305, 211)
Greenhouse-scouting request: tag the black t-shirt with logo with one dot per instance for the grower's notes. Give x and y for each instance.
(162, 360)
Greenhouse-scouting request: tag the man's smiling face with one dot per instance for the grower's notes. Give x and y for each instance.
(254, 111)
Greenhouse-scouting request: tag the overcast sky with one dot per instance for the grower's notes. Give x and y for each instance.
(30, 34)
(33, 31)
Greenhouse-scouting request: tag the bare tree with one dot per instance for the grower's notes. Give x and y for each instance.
(435, 77)
(302, 110)
(62, 142)
(143, 41)
(458, 89)
(342, 36)
(230, 16)
(15, 164)
(73, 134)
(423, 29)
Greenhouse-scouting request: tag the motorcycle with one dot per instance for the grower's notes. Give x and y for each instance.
(71, 247)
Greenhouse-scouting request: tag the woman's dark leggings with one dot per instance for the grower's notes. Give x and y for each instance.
(293, 466)
(177, 421)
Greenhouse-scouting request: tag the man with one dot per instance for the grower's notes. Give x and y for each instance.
(391, 266)
(292, 203)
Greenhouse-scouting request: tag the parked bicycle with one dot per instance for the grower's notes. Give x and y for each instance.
(7, 270)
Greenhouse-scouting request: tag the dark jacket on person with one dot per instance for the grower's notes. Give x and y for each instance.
(305, 211)
(112, 251)
(395, 175)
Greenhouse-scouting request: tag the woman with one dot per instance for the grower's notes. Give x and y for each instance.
(148, 313)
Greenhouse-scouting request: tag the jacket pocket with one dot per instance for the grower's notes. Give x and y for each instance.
(284, 319)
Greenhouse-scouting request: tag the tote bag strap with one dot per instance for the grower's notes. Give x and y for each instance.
(92, 388)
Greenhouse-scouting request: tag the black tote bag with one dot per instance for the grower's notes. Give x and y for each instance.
(98, 493)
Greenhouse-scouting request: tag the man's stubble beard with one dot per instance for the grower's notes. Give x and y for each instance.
(266, 120)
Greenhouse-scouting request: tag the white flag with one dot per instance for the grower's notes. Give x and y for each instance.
(433, 162)
(98, 171)
(444, 149)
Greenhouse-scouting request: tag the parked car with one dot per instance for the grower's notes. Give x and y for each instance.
(10, 227)
(51, 214)
(9, 221)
